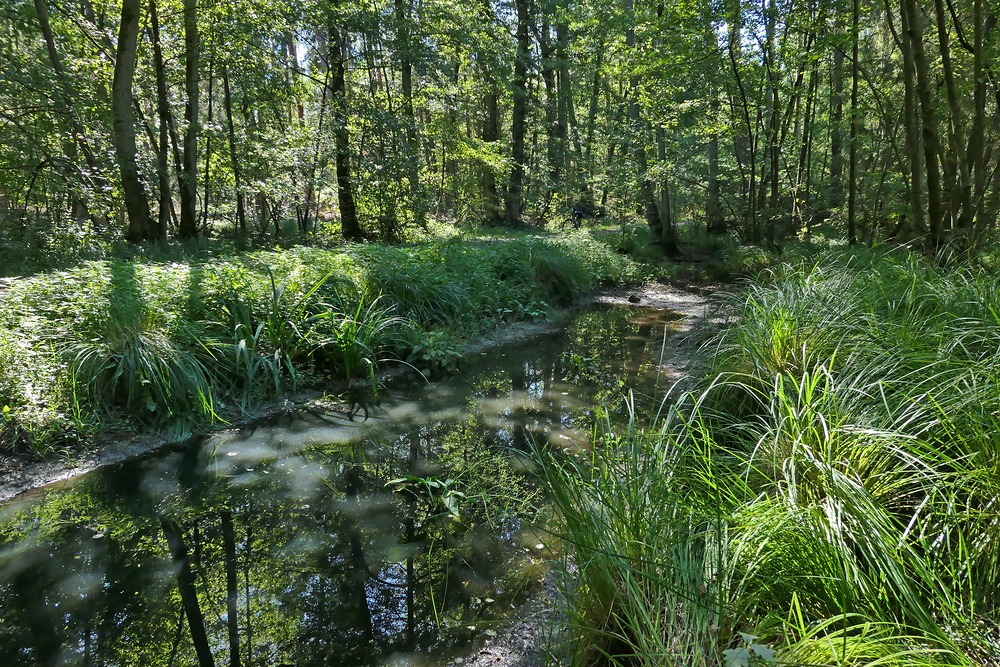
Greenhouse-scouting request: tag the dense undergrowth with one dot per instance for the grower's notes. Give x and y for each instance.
(177, 344)
(829, 496)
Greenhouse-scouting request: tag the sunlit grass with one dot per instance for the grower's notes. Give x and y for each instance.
(171, 343)
(831, 490)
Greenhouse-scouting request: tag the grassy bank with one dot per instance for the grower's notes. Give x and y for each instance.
(140, 344)
(828, 496)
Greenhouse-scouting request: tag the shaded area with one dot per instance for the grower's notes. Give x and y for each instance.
(315, 540)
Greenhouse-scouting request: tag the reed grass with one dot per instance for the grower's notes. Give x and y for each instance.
(831, 489)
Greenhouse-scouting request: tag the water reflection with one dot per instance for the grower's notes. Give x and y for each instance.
(314, 540)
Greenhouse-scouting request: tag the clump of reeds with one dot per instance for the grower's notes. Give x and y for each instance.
(829, 493)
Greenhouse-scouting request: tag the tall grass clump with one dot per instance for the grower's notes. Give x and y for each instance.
(829, 495)
(154, 340)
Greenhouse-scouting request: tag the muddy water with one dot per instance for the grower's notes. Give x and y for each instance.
(316, 540)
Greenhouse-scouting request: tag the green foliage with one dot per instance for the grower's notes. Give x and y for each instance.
(129, 361)
(174, 344)
(434, 352)
(823, 490)
(349, 341)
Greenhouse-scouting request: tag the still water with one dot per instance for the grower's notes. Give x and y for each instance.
(313, 540)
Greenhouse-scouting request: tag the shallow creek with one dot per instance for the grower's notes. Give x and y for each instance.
(404, 539)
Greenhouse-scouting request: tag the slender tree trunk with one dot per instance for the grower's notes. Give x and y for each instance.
(490, 135)
(189, 178)
(852, 196)
(553, 148)
(208, 139)
(962, 198)
(595, 98)
(646, 195)
(566, 107)
(931, 145)
(911, 124)
(404, 9)
(136, 204)
(519, 114)
(836, 132)
(713, 211)
(668, 236)
(802, 201)
(163, 111)
(79, 136)
(241, 214)
(232, 587)
(350, 228)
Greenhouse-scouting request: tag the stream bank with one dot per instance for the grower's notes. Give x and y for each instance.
(19, 474)
(310, 490)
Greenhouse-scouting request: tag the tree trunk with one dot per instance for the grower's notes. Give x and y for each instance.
(962, 198)
(519, 114)
(931, 145)
(836, 133)
(668, 236)
(159, 232)
(490, 135)
(41, 9)
(136, 203)
(595, 97)
(646, 195)
(404, 9)
(713, 211)
(241, 214)
(189, 178)
(208, 139)
(189, 594)
(349, 226)
(232, 587)
(852, 196)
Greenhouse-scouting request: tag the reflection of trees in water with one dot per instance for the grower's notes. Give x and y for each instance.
(276, 573)
(310, 559)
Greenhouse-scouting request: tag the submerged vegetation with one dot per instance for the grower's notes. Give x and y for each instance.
(827, 495)
(175, 345)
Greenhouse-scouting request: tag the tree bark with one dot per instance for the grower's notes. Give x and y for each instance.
(836, 131)
(647, 196)
(189, 594)
(136, 204)
(159, 231)
(404, 9)
(79, 137)
(519, 114)
(931, 144)
(349, 226)
(232, 587)
(189, 178)
(241, 214)
(852, 196)
(491, 130)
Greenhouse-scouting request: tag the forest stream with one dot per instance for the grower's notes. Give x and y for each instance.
(408, 538)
